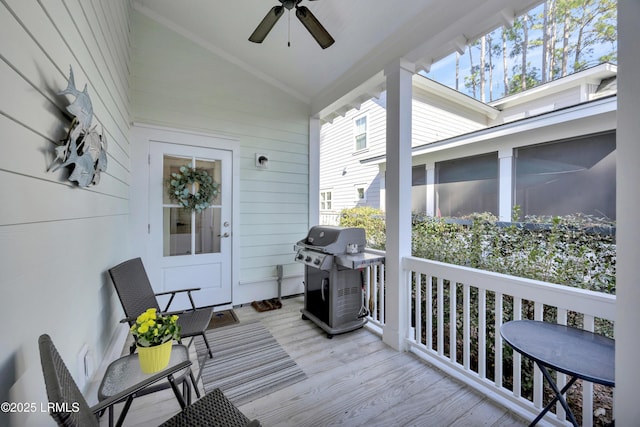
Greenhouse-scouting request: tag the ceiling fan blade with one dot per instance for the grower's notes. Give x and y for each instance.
(267, 23)
(314, 27)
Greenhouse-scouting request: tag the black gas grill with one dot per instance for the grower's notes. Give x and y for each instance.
(334, 259)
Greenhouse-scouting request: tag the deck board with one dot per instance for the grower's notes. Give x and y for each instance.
(354, 379)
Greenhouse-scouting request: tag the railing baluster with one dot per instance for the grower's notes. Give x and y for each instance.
(466, 324)
(587, 386)
(418, 307)
(561, 378)
(377, 286)
(368, 272)
(538, 312)
(453, 321)
(440, 296)
(517, 357)
(429, 313)
(380, 304)
(482, 333)
(498, 340)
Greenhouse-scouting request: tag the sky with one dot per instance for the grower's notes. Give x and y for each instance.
(443, 71)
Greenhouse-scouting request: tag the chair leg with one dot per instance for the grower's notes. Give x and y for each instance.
(204, 337)
(195, 384)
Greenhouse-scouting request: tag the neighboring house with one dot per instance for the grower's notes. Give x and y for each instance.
(551, 145)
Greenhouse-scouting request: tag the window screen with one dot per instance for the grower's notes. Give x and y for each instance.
(467, 185)
(568, 177)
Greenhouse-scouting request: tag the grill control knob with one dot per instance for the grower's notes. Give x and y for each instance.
(308, 258)
(300, 256)
(316, 261)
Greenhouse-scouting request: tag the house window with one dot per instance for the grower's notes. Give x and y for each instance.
(361, 195)
(325, 200)
(568, 177)
(467, 185)
(360, 133)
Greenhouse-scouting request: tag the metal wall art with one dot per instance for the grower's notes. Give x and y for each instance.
(83, 149)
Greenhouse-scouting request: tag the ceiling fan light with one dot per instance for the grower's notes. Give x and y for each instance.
(314, 27)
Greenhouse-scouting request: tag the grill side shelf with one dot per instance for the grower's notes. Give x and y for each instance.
(360, 260)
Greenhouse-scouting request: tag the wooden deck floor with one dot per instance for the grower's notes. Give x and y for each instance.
(353, 380)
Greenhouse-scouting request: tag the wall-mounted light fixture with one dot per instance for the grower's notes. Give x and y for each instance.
(262, 161)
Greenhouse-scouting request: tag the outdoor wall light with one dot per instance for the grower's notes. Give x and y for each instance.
(262, 161)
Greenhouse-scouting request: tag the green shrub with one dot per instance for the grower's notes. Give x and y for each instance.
(371, 219)
(577, 250)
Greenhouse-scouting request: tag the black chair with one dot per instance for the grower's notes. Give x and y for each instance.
(71, 409)
(136, 295)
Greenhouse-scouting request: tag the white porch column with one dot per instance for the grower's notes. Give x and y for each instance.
(505, 184)
(398, 199)
(314, 171)
(627, 410)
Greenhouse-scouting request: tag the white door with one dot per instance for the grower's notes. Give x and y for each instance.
(190, 249)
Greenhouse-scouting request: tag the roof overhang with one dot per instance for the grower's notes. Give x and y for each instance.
(576, 112)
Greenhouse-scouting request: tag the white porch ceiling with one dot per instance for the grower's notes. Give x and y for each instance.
(369, 34)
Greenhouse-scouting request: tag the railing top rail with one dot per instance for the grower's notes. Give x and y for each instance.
(592, 303)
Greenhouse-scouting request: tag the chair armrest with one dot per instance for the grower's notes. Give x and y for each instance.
(177, 291)
(104, 404)
(173, 294)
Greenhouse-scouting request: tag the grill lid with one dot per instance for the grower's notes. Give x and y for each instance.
(335, 240)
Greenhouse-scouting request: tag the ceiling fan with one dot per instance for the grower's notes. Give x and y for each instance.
(305, 16)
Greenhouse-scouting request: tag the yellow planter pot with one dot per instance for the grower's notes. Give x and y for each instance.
(156, 358)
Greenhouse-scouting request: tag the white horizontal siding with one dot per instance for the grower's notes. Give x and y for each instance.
(340, 168)
(56, 239)
(434, 118)
(554, 101)
(180, 84)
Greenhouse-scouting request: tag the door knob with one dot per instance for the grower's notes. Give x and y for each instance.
(226, 234)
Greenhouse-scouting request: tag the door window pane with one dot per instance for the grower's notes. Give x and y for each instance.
(171, 164)
(214, 170)
(176, 226)
(208, 231)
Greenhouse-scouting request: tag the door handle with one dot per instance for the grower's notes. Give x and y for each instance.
(226, 234)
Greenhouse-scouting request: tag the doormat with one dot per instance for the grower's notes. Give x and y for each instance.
(248, 363)
(267, 304)
(222, 318)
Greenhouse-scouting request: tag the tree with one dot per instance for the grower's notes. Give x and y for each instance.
(530, 77)
(505, 71)
(561, 36)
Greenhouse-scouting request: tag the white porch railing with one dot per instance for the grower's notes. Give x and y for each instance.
(473, 351)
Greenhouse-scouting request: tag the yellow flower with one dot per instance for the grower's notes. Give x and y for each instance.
(152, 328)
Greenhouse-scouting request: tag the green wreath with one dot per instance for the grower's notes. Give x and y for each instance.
(181, 188)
